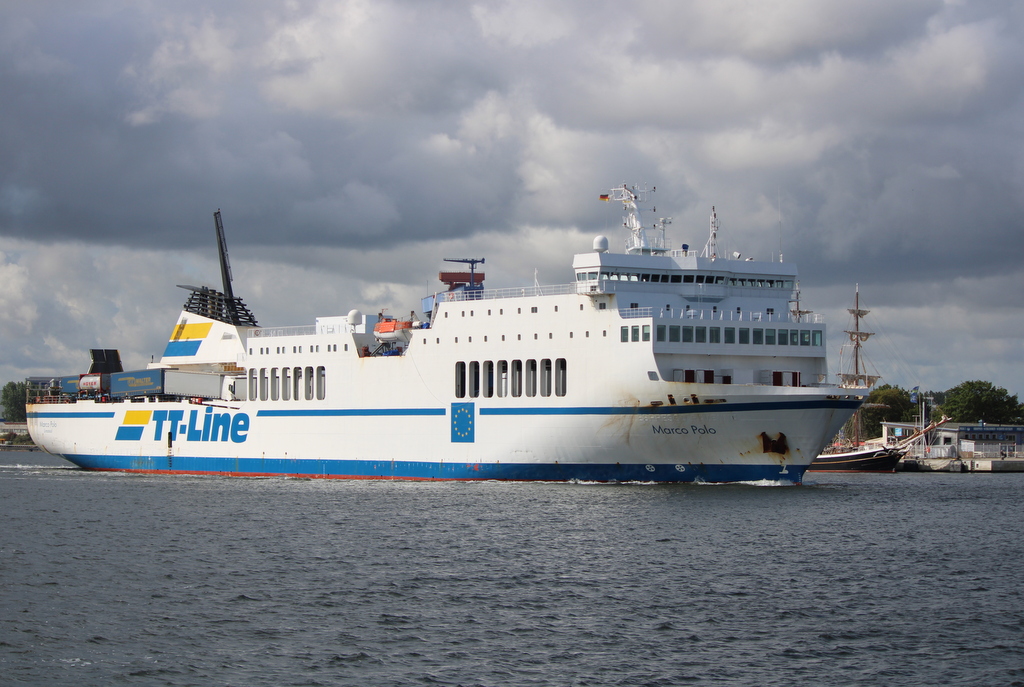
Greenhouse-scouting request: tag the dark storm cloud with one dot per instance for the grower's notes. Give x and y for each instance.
(876, 142)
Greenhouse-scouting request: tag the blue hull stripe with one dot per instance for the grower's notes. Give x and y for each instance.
(673, 410)
(578, 410)
(72, 416)
(418, 470)
(357, 412)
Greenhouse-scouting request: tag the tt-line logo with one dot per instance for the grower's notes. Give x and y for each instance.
(213, 426)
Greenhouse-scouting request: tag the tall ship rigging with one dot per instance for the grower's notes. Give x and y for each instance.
(849, 452)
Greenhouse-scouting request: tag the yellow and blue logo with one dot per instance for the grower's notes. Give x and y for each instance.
(199, 425)
(131, 427)
(186, 339)
(463, 423)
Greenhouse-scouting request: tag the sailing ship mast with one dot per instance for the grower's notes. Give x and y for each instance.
(858, 377)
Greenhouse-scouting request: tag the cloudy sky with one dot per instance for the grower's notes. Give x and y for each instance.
(351, 144)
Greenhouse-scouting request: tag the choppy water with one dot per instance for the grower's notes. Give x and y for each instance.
(113, 579)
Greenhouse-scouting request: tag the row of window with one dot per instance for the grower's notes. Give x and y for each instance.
(756, 282)
(674, 333)
(514, 378)
(773, 377)
(519, 337)
(519, 311)
(296, 349)
(287, 384)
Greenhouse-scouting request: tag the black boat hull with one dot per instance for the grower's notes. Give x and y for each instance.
(874, 460)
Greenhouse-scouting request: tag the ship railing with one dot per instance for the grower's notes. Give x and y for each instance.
(269, 332)
(720, 316)
(62, 398)
(741, 316)
(299, 330)
(514, 292)
(633, 313)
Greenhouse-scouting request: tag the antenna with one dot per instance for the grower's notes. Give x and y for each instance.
(639, 241)
(780, 223)
(711, 247)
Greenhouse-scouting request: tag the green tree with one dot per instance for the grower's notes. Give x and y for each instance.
(885, 404)
(13, 399)
(977, 400)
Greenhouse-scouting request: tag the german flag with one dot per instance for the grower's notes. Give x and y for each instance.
(604, 196)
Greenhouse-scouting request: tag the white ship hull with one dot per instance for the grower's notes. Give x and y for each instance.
(718, 443)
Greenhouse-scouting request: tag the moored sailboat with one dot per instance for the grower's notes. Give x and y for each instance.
(849, 453)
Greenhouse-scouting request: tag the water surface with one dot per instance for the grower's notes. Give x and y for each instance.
(110, 578)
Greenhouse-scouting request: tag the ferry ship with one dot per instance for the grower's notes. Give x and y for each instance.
(654, 365)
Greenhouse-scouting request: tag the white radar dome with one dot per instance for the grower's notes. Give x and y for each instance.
(601, 244)
(355, 318)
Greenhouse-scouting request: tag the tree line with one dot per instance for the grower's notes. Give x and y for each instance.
(13, 398)
(975, 401)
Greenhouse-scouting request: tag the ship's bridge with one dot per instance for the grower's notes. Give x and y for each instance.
(684, 267)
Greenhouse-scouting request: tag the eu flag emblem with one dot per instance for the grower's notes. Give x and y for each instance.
(463, 422)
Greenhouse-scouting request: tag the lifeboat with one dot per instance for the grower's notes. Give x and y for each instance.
(391, 329)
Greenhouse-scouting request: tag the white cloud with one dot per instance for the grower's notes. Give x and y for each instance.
(183, 74)
(524, 23)
(769, 145)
